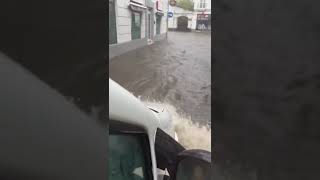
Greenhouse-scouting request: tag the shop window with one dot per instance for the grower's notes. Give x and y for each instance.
(136, 25)
(112, 23)
(202, 4)
(158, 22)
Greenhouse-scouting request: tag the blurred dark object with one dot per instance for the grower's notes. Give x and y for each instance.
(42, 135)
(267, 92)
(61, 42)
(49, 49)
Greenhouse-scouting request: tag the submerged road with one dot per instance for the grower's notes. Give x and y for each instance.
(175, 71)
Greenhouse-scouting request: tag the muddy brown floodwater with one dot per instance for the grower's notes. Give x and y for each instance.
(175, 71)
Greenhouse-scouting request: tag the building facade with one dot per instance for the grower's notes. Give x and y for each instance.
(202, 14)
(182, 20)
(135, 23)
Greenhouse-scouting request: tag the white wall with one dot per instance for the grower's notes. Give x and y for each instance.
(143, 25)
(197, 2)
(163, 26)
(189, 22)
(164, 17)
(197, 9)
(123, 21)
(194, 21)
(177, 12)
(209, 4)
(154, 23)
(171, 23)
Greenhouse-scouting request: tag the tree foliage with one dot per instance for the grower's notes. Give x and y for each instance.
(185, 4)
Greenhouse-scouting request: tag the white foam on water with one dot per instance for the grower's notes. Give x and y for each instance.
(191, 135)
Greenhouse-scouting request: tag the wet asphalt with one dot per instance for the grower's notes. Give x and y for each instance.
(176, 70)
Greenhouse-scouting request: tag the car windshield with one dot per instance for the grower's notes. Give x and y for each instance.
(127, 157)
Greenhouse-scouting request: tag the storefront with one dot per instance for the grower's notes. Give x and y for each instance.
(150, 17)
(112, 23)
(137, 9)
(203, 21)
(159, 14)
(134, 24)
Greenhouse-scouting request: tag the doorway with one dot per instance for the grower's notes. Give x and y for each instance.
(150, 25)
(158, 24)
(182, 24)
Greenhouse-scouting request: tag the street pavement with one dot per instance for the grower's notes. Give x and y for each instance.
(175, 71)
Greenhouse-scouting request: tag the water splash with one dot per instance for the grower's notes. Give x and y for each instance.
(191, 135)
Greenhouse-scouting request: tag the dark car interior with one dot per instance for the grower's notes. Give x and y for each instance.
(44, 136)
(52, 90)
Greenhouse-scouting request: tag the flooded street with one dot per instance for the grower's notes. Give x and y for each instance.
(176, 71)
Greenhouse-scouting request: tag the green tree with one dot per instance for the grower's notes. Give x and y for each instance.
(185, 4)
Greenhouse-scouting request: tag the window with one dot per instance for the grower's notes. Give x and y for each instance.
(136, 26)
(129, 157)
(158, 21)
(202, 4)
(112, 23)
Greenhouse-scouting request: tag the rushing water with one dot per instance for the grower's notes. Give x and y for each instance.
(191, 134)
(177, 73)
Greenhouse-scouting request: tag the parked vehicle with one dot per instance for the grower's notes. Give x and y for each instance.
(140, 145)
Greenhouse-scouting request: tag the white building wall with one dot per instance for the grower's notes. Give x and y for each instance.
(154, 23)
(143, 25)
(198, 10)
(172, 22)
(177, 12)
(209, 5)
(189, 22)
(164, 17)
(123, 21)
(196, 6)
(194, 20)
(123, 16)
(163, 26)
